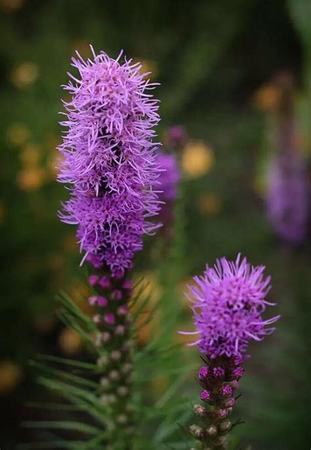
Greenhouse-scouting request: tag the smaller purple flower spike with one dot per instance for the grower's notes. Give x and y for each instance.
(228, 303)
(169, 176)
(288, 200)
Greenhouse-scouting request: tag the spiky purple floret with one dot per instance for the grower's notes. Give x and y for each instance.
(169, 176)
(110, 159)
(288, 202)
(228, 303)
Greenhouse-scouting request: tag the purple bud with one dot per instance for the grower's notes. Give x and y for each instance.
(230, 403)
(93, 280)
(218, 372)
(102, 301)
(205, 395)
(203, 373)
(227, 390)
(104, 282)
(109, 318)
(122, 310)
(127, 284)
(92, 300)
(238, 372)
(117, 295)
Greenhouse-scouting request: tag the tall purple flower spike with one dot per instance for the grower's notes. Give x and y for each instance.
(228, 302)
(288, 202)
(109, 159)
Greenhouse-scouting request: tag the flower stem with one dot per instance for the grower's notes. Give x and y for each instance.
(113, 340)
(219, 380)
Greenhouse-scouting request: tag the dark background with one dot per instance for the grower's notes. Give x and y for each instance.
(215, 61)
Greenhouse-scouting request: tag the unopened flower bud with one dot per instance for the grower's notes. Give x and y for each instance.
(117, 295)
(104, 382)
(116, 355)
(122, 419)
(218, 372)
(114, 375)
(102, 361)
(104, 282)
(122, 391)
(222, 413)
(126, 368)
(225, 425)
(93, 280)
(97, 318)
(230, 402)
(109, 319)
(199, 410)
(235, 384)
(196, 431)
(227, 390)
(112, 398)
(205, 395)
(221, 441)
(122, 310)
(203, 373)
(211, 430)
(120, 330)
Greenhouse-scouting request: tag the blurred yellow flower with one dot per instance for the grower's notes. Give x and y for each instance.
(197, 159)
(148, 66)
(209, 204)
(24, 75)
(18, 134)
(10, 376)
(69, 341)
(31, 178)
(10, 6)
(30, 155)
(268, 97)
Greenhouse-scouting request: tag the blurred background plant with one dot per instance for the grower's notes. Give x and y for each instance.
(219, 64)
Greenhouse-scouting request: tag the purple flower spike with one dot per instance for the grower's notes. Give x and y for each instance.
(228, 303)
(288, 203)
(205, 395)
(109, 159)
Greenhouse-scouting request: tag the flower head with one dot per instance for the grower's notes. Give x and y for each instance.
(288, 196)
(109, 159)
(228, 303)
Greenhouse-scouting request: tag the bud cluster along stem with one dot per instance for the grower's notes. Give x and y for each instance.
(219, 379)
(112, 319)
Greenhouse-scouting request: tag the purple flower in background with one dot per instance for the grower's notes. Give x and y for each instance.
(176, 136)
(169, 176)
(228, 303)
(110, 159)
(288, 196)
